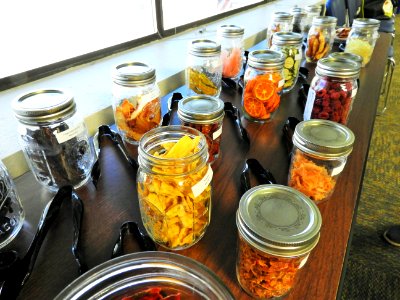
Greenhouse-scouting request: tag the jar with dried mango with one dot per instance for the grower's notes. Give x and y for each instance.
(277, 229)
(319, 155)
(136, 100)
(289, 43)
(204, 68)
(263, 84)
(174, 185)
(320, 38)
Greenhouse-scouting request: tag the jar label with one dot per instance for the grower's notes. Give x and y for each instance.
(281, 83)
(297, 56)
(70, 133)
(217, 133)
(309, 104)
(199, 187)
(353, 93)
(337, 170)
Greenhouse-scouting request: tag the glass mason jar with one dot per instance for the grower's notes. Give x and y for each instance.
(133, 276)
(320, 38)
(346, 55)
(281, 21)
(136, 100)
(289, 43)
(54, 138)
(332, 90)
(311, 11)
(231, 39)
(174, 185)
(320, 151)
(299, 21)
(277, 229)
(362, 38)
(206, 114)
(11, 212)
(204, 68)
(263, 84)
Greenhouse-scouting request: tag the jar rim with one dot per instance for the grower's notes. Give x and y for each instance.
(266, 59)
(204, 47)
(133, 73)
(324, 20)
(230, 31)
(201, 109)
(287, 38)
(338, 67)
(282, 16)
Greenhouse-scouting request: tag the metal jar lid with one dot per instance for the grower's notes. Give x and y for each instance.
(366, 23)
(298, 12)
(201, 109)
(323, 138)
(282, 16)
(313, 9)
(278, 220)
(133, 74)
(43, 106)
(283, 38)
(266, 59)
(346, 55)
(338, 67)
(204, 48)
(230, 31)
(324, 20)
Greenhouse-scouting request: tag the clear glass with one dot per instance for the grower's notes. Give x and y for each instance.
(231, 54)
(319, 41)
(361, 41)
(262, 92)
(204, 74)
(314, 176)
(11, 212)
(137, 109)
(330, 98)
(293, 56)
(58, 153)
(174, 190)
(263, 275)
(276, 26)
(311, 11)
(137, 273)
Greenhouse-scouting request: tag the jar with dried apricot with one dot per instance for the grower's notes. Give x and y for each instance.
(263, 84)
(277, 229)
(320, 37)
(174, 185)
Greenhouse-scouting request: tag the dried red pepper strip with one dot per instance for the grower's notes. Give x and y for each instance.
(155, 293)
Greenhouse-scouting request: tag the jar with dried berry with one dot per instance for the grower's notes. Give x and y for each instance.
(333, 90)
(206, 114)
(204, 68)
(12, 214)
(136, 100)
(319, 155)
(320, 38)
(231, 39)
(289, 43)
(281, 21)
(263, 84)
(277, 229)
(362, 38)
(174, 185)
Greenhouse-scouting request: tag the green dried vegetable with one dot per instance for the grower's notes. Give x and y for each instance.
(291, 66)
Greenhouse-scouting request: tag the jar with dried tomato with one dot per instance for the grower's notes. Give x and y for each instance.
(289, 43)
(136, 100)
(204, 68)
(281, 21)
(263, 84)
(206, 114)
(277, 229)
(174, 185)
(319, 155)
(332, 90)
(320, 38)
(231, 39)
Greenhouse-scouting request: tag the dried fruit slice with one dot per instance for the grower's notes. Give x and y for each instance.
(263, 90)
(253, 107)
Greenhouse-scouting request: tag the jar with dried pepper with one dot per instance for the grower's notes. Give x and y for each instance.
(332, 90)
(289, 43)
(136, 100)
(206, 114)
(320, 38)
(319, 155)
(231, 39)
(204, 68)
(263, 84)
(277, 229)
(281, 21)
(174, 185)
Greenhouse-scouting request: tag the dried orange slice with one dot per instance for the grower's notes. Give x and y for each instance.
(253, 107)
(263, 90)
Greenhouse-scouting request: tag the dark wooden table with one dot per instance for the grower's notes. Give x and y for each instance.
(115, 201)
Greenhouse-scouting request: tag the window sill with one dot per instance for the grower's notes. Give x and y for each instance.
(91, 83)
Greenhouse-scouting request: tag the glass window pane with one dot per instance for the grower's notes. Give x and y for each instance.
(42, 32)
(180, 12)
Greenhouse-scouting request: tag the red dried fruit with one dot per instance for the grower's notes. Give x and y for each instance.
(323, 115)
